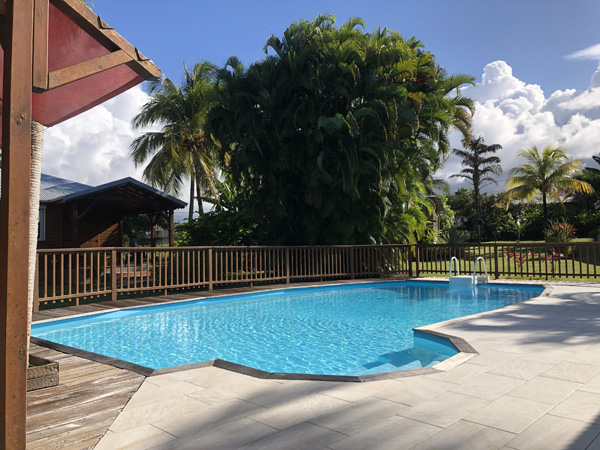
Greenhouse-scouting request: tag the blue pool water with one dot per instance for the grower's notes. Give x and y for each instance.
(355, 329)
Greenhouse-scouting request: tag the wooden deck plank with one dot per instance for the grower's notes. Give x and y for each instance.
(76, 413)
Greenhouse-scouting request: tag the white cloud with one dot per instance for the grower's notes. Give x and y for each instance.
(591, 52)
(93, 148)
(517, 115)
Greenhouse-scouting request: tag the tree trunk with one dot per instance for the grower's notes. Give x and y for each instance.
(199, 196)
(37, 149)
(477, 213)
(191, 209)
(545, 208)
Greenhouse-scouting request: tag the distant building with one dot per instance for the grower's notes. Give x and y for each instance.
(76, 215)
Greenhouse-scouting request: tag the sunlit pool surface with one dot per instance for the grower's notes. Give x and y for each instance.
(355, 329)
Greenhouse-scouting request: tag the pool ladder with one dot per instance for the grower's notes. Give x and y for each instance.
(466, 280)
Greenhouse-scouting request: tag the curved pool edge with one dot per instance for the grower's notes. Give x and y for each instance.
(466, 351)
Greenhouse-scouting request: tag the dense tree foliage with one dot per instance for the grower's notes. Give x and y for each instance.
(501, 223)
(479, 167)
(335, 136)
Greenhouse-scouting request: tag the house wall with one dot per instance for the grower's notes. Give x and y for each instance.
(99, 227)
(54, 228)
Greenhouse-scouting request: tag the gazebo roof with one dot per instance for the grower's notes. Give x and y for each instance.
(127, 195)
(79, 61)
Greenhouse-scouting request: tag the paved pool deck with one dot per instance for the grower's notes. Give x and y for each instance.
(534, 384)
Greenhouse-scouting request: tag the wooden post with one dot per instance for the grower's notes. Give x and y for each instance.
(113, 275)
(410, 261)
(210, 269)
(287, 265)
(351, 262)
(36, 285)
(171, 228)
(14, 221)
(417, 257)
(153, 222)
(497, 269)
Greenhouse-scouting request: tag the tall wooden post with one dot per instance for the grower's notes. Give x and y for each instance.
(14, 221)
(171, 228)
(153, 223)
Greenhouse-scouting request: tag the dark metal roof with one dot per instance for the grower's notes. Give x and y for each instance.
(54, 188)
(127, 195)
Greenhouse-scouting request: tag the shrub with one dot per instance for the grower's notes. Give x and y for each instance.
(454, 236)
(559, 232)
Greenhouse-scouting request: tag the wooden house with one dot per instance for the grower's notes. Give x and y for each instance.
(76, 215)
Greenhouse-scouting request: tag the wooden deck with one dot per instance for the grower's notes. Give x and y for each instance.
(75, 414)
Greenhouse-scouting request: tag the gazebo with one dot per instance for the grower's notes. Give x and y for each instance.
(74, 215)
(59, 59)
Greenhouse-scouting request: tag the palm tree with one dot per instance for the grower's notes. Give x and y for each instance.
(550, 174)
(180, 149)
(479, 168)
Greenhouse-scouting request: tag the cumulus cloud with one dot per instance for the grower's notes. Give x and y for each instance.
(93, 148)
(518, 115)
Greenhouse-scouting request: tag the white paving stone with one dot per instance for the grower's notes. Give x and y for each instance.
(535, 384)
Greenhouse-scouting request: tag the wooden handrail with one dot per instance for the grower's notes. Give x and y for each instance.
(70, 275)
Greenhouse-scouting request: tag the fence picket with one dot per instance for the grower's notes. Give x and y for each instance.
(72, 274)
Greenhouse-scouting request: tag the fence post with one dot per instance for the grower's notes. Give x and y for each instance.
(497, 269)
(410, 261)
(417, 258)
(351, 262)
(36, 284)
(210, 269)
(287, 265)
(113, 275)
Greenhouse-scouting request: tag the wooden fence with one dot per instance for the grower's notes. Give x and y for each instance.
(72, 275)
(69, 276)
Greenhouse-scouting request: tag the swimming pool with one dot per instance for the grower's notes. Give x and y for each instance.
(353, 329)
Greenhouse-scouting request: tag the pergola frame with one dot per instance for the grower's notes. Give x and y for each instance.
(25, 43)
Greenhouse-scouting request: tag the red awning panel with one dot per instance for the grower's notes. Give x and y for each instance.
(68, 45)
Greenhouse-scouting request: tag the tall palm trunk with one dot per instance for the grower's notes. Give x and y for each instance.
(191, 209)
(199, 196)
(37, 149)
(545, 208)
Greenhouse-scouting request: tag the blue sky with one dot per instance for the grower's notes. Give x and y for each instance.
(532, 36)
(536, 63)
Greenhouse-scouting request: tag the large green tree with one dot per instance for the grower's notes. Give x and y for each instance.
(549, 174)
(180, 150)
(479, 166)
(337, 132)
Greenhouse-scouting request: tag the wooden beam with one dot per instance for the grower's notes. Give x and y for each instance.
(85, 69)
(40, 45)
(87, 210)
(153, 223)
(17, 42)
(99, 30)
